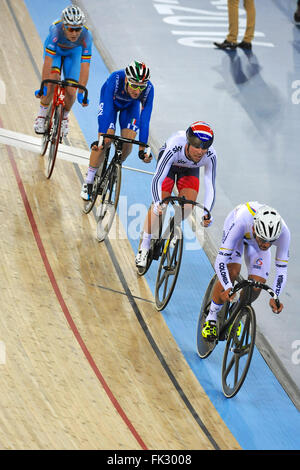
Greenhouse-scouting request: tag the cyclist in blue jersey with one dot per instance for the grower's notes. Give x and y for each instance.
(68, 46)
(128, 93)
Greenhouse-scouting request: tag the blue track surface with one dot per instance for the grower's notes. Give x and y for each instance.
(261, 416)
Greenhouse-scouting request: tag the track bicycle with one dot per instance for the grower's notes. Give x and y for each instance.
(54, 119)
(168, 248)
(107, 184)
(237, 326)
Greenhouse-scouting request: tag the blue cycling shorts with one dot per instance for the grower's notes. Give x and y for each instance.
(129, 118)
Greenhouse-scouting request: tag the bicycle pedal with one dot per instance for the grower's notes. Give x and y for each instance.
(169, 269)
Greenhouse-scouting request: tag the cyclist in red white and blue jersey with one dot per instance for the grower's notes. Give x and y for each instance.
(179, 161)
(68, 46)
(128, 94)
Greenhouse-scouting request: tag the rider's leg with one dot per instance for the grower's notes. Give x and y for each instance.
(209, 330)
(151, 230)
(72, 70)
(96, 159)
(127, 148)
(106, 125)
(129, 119)
(188, 187)
(48, 72)
(97, 156)
(151, 225)
(217, 303)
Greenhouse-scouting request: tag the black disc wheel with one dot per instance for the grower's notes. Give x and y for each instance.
(110, 193)
(169, 267)
(238, 351)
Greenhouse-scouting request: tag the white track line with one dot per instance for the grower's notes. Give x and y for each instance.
(65, 152)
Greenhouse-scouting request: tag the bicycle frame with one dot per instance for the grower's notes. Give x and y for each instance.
(247, 285)
(169, 248)
(52, 132)
(118, 142)
(238, 331)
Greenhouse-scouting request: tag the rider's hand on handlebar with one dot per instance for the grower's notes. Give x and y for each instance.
(80, 97)
(37, 92)
(158, 208)
(225, 295)
(274, 307)
(206, 222)
(144, 156)
(95, 146)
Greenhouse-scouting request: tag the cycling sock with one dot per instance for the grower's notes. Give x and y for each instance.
(66, 114)
(43, 110)
(146, 241)
(91, 175)
(213, 311)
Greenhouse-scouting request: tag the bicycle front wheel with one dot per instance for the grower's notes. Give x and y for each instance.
(169, 267)
(141, 271)
(88, 205)
(109, 202)
(55, 139)
(48, 131)
(238, 351)
(204, 347)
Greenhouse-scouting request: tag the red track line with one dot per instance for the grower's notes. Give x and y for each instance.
(63, 304)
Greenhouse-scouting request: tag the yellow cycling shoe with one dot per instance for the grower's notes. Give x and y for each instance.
(238, 330)
(210, 331)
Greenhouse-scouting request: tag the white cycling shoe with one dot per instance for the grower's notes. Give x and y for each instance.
(65, 127)
(39, 125)
(86, 190)
(141, 258)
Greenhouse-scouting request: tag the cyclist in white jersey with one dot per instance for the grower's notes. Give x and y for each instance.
(251, 228)
(179, 161)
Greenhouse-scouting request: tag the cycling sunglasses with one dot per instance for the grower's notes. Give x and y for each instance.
(71, 29)
(137, 87)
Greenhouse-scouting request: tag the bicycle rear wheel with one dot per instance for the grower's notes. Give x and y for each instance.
(48, 131)
(169, 267)
(238, 351)
(55, 140)
(109, 202)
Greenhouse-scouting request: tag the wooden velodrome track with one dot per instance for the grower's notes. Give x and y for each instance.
(90, 363)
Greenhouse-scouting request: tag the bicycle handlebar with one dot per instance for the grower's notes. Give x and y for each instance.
(64, 83)
(182, 200)
(123, 139)
(252, 283)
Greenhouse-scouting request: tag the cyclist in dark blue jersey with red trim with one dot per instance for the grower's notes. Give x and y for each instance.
(68, 46)
(128, 93)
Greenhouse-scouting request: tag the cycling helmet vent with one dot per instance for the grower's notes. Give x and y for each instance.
(73, 15)
(137, 72)
(267, 224)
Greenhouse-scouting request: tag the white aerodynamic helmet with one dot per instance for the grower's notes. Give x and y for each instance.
(267, 223)
(73, 15)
